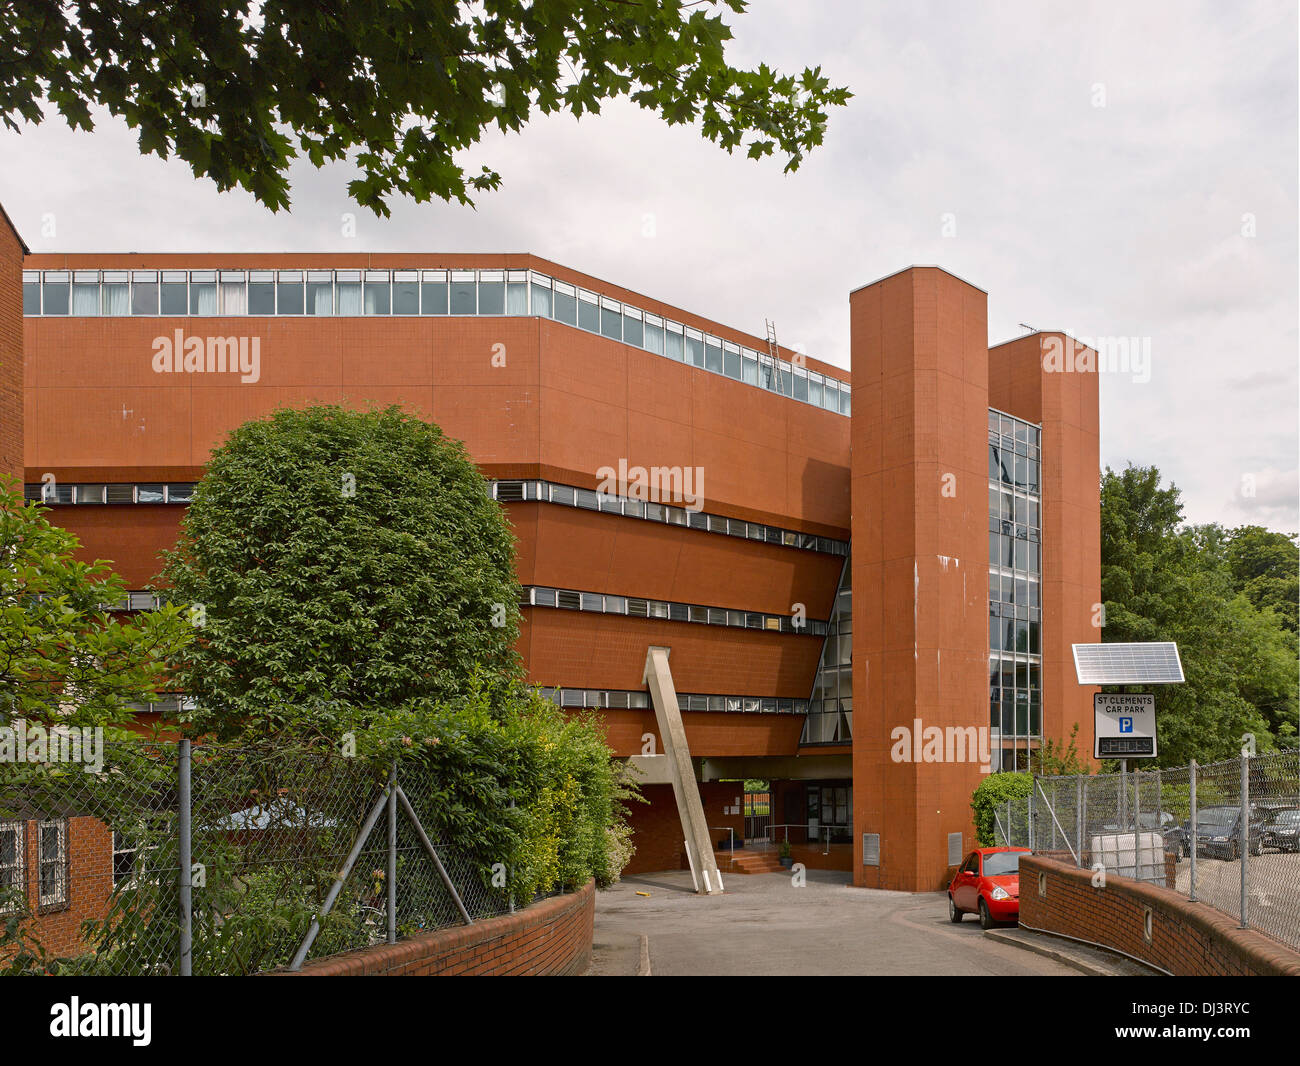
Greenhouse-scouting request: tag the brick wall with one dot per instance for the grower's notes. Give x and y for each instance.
(89, 869)
(657, 828)
(550, 938)
(11, 351)
(1187, 939)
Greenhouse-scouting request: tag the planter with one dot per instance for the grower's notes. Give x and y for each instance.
(788, 861)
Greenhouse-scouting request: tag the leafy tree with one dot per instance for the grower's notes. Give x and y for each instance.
(1266, 567)
(62, 651)
(1163, 581)
(238, 91)
(340, 564)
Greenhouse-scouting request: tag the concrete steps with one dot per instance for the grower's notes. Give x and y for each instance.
(749, 862)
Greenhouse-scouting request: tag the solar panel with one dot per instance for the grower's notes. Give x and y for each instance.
(1155, 663)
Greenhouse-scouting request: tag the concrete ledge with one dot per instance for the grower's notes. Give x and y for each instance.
(1183, 938)
(548, 938)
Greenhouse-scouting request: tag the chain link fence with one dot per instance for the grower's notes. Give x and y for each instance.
(1226, 834)
(209, 859)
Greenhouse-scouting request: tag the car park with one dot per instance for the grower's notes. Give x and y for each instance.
(1219, 832)
(1282, 829)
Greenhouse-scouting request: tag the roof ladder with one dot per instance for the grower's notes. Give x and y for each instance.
(773, 353)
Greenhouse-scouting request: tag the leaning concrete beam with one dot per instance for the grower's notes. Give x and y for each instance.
(672, 734)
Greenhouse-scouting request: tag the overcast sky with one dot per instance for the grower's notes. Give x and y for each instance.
(1102, 164)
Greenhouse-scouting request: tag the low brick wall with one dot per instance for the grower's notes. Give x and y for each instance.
(1186, 939)
(550, 938)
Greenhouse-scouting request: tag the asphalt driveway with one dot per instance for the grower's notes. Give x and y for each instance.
(763, 924)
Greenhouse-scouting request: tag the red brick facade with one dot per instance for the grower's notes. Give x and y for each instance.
(12, 250)
(551, 938)
(566, 402)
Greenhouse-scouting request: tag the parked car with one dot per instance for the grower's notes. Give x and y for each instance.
(1282, 830)
(987, 884)
(1174, 835)
(1218, 832)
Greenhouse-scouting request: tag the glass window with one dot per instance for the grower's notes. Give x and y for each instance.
(289, 293)
(348, 293)
(694, 348)
(633, 328)
(433, 294)
(261, 293)
(320, 293)
(846, 402)
(831, 401)
(712, 355)
(800, 385)
(464, 299)
(231, 292)
(172, 292)
(378, 293)
(144, 292)
(566, 304)
(55, 293)
(611, 322)
(517, 298)
(203, 292)
(406, 292)
(654, 335)
(588, 311)
(116, 293)
(85, 292)
(491, 298)
(673, 342)
(52, 848)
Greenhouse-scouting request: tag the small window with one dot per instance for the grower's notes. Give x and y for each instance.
(378, 293)
(13, 881)
(144, 292)
(261, 293)
(464, 293)
(491, 297)
(320, 293)
(172, 291)
(289, 293)
(31, 292)
(433, 293)
(406, 293)
(124, 858)
(55, 292)
(52, 849)
(566, 303)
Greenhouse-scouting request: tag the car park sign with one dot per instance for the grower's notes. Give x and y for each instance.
(1124, 725)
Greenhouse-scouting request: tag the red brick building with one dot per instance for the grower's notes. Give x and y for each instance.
(964, 477)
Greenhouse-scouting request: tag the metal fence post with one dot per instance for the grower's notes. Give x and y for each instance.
(1078, 820)
(184, 850)
(392, 853)
(1244, 847)
(1029, 815)
(1193, 844)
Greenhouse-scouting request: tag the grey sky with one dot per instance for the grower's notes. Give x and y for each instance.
(1099, 162)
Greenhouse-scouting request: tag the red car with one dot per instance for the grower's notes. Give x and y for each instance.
(988, 884)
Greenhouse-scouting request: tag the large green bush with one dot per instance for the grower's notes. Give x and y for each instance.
(337, 558)
(992, 794)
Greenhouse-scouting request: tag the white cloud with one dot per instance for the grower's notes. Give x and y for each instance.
(1122, 220)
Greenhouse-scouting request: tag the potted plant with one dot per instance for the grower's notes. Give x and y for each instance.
(785, 854)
